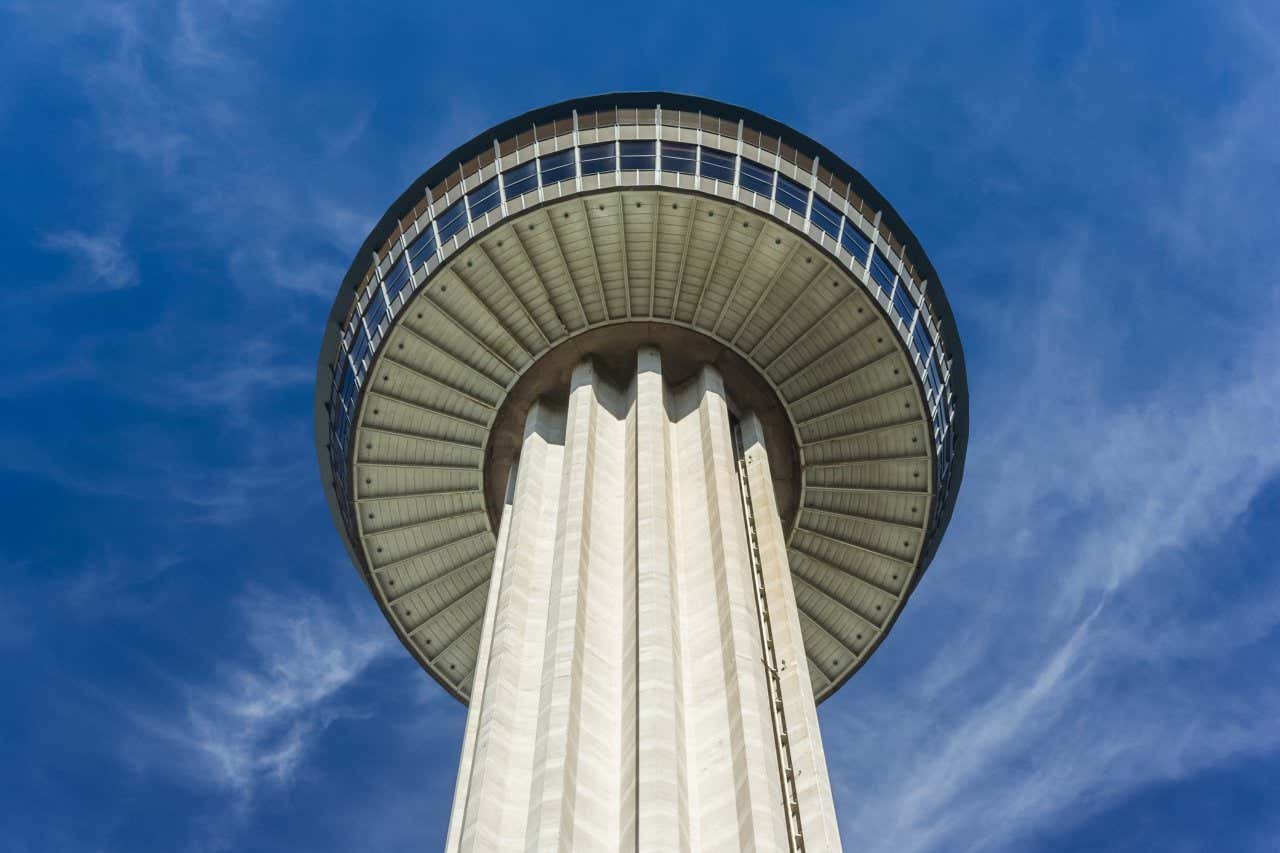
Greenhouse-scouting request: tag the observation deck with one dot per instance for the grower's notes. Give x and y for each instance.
(602, 224)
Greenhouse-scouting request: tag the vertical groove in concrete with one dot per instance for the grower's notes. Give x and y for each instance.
(507, 697)
(629, 722)
(661, 823)
(559, 728)
(813, 786)
(622, 699)
(467, 759)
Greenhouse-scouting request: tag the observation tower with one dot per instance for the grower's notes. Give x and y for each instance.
(641, 415)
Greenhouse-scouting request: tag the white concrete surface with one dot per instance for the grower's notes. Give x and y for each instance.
(642, 684)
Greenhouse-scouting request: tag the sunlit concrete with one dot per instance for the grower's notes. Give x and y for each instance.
(641, 681)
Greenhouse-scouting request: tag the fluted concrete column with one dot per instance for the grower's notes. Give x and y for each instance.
(642, 683)
(662, 772)
(812, 784)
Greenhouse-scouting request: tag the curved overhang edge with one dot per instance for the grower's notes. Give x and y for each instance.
(635, 100)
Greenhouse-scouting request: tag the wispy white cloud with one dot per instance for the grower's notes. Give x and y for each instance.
(229, 376)
(160, 478)
(269, 266)
(133, 111)
(342, 138)
(233, 495)
(250, 724)
(116, 585)
(1082, 679)
(1083, 645)
(178, 101)
(99, 262)
(75, 361)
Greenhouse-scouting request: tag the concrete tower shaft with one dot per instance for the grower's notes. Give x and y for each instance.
(641, 679)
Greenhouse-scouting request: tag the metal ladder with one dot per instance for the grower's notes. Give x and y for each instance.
(782, 743)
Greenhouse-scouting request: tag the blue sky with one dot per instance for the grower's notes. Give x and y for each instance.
(191, 664)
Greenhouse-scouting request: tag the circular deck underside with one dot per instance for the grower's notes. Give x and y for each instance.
(760, 290)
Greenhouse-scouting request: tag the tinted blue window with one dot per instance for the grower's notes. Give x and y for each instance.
(717, 165)
(556, 167)
(423, 247)
(374, 312)
(360, 350)
(597, 158)
(453, 220)
(792, 194)
(341, 418)
(337, 452)
(348, 394)
(335, 393)
(881, 271)
(934, 381)
(484, 198)
(855, 242)
(636, 155)
(397, 277)
(825, 217)
(756, 178)
(520, 180)
(904, 304)
(678, 158)
(920, 337)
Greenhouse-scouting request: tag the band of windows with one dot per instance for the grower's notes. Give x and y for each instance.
(377, 305)
(680, 159)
